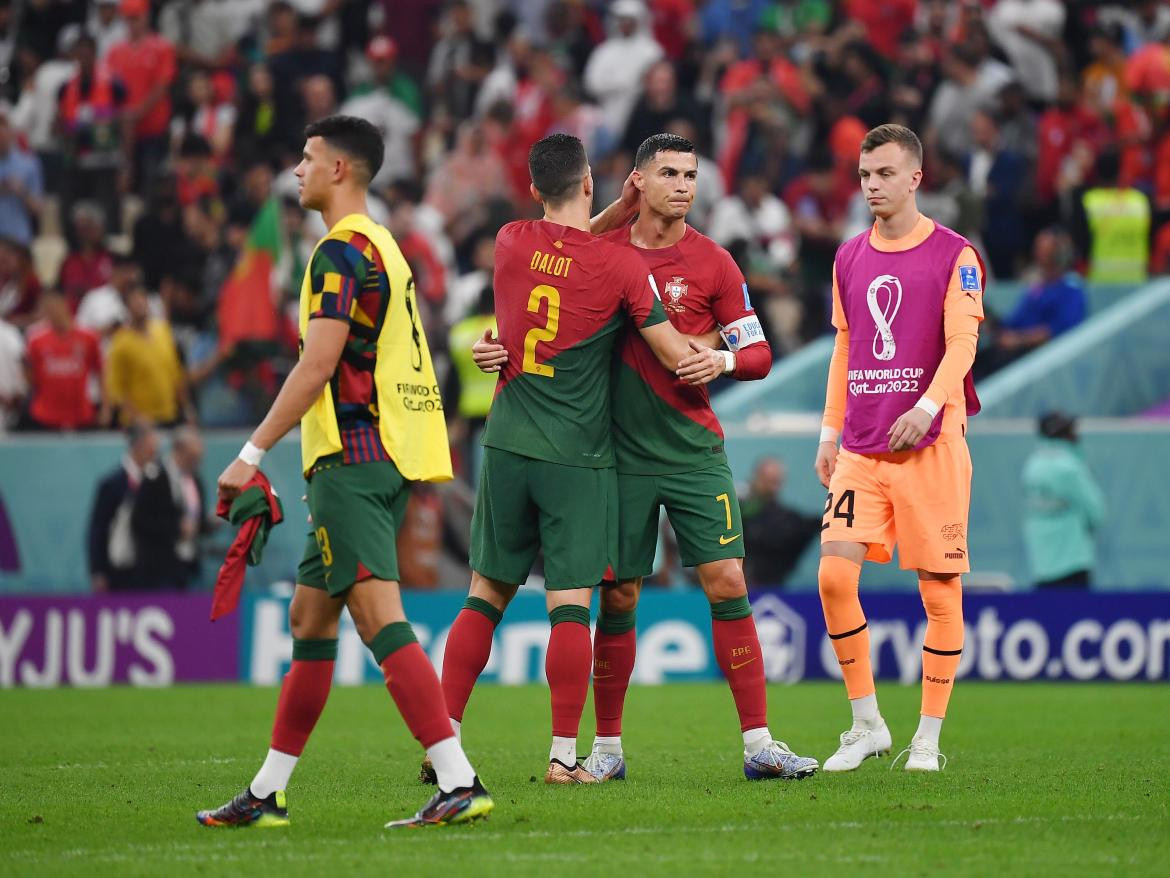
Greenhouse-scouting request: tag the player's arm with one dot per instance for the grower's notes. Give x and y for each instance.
(640, 300)
(490, 356)
(748, 356)
(962, 313)
(337, 273)
(620, 212)
(833, 420)
(669, 345)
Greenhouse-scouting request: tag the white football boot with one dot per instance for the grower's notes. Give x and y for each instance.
(858, 744)
(922, 755)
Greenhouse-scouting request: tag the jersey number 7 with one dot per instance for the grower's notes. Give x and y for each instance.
(544, 333)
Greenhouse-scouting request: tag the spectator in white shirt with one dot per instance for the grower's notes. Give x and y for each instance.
(613, 74)
(1029, 32)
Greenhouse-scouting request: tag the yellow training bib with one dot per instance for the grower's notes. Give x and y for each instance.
(410, 410)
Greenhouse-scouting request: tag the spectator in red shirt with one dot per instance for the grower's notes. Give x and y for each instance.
(1063, 126)
(819, 204)
(764, 86)
(89, 264)
(884, 22)
(63, 361)
(146, 64)
(673, 22)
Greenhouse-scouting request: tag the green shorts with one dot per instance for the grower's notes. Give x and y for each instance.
(703, 510)
(356, 513)
(524, 505)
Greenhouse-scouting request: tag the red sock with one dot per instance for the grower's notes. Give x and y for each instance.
(613, 665)
(566, 665)
(469, 644)
(415, 688)
(737, 650)
(303, 694)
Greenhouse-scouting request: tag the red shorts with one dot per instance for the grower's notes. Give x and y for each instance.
(916, 500)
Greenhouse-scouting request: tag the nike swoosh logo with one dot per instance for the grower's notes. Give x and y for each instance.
(736, 667)
(603, 676)
(723, 541)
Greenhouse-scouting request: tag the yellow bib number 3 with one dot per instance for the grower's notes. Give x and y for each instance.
(544, 333)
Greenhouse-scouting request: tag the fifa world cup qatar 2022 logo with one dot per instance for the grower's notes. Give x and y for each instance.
(884, 298)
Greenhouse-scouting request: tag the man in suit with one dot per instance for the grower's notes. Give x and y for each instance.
(112, 546)
(169, 516)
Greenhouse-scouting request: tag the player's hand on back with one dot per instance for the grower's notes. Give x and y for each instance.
(826, 461)
(488, 354)
(703, 366)
(909, 429)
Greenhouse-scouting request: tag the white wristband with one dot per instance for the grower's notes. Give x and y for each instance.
(728, 361)
(251, 454)
(927, 406)
(829, 434)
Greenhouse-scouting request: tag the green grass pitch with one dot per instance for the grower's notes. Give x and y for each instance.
(1043, 780)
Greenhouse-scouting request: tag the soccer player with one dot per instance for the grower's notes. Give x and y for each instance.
(670, 454)
(547, 482)
(364, 395)
(907, 303)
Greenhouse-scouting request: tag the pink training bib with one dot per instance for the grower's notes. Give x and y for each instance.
(893, 303)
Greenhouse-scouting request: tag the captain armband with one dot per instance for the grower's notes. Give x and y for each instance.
(743, 332)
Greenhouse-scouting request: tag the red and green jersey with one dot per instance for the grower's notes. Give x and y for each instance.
(350, 283)
(661, 424)
(562, 297)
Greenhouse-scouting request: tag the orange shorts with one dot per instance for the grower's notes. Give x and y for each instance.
(917, 500)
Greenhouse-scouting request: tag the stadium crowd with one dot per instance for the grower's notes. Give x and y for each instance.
(151, 244)
(146, 195)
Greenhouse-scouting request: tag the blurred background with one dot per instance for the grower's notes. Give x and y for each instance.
(152, 248)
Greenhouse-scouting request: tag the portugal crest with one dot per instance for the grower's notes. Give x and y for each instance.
(675, 290)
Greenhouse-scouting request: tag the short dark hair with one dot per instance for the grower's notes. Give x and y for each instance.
(557, 164)
(657, 143)
(355, 137)
(1058, 425)
(890, 133)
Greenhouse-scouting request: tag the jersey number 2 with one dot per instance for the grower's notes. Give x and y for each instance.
(544, 333)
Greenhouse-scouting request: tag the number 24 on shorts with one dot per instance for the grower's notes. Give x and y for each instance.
(843, 509)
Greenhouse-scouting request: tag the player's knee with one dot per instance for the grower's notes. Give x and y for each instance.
(727, 584)
(837, 580)
(364, 624)
(498, 594)
(942, 599)
(305, 623)
(620, 598)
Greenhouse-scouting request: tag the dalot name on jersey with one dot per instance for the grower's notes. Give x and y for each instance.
(551, 263)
